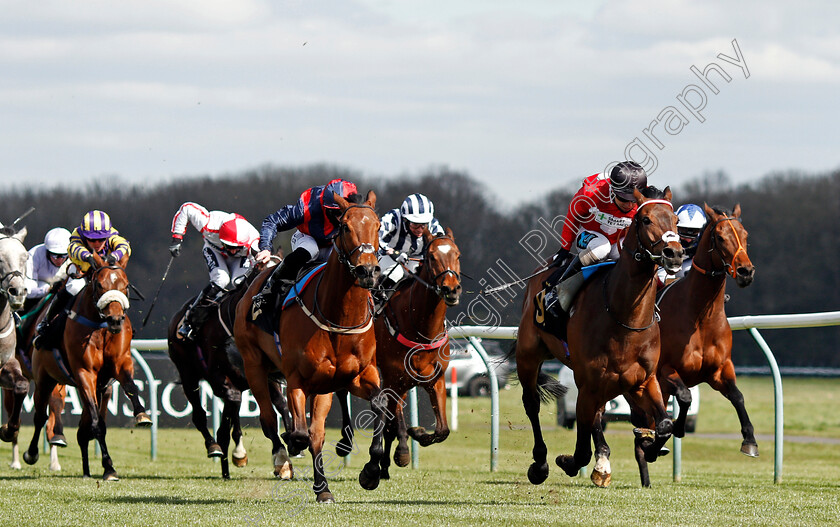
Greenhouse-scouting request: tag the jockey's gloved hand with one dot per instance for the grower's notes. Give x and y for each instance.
(91, 260)
(111, 260)
(402, 258)
(175, 247)
(562, 255)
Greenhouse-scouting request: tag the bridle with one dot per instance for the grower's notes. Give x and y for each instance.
(667, 236)
(111, 295)
(5, 281)
(344, 256)
(435, 285)
(714, 248)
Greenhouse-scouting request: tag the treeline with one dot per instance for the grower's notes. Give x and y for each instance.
(790, 218)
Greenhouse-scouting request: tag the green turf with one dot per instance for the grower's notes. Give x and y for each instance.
(454, 485)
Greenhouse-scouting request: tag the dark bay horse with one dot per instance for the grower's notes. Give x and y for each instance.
(325, 342)
(412, 348)
(613, 341)
(212, 356)
(95, 350)
(696, 337)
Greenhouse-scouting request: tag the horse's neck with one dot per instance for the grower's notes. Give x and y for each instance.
(425, 313)
(84, 304)
(338, 296)
(632, 288)
(706, 292)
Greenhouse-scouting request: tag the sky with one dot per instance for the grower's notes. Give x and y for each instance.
(524, 96)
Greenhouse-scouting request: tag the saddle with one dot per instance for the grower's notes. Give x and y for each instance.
(268, 319)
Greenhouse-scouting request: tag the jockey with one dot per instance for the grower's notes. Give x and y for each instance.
(401, 237)
(93, 235)
(314, 216)
(47, 264)
(690, 223)
(229, 244)
(595, 224)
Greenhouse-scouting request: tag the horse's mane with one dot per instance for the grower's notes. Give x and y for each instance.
(355, 198)
(652, 192)
(721, 211)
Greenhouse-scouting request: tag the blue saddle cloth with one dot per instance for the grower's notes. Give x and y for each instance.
(589, 270)
(301, 284)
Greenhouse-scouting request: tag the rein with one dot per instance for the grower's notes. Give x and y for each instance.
(11, 274)
(668, 236)
(712, 273)
(364, 248)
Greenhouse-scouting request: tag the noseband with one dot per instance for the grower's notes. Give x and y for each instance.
(667, 236)
(111, 295)
(8, 277)
(363, 248)
(714, 248)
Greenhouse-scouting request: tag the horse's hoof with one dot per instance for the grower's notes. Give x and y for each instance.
(298, 441)
(567, 463)
(285, 471)
(142, 420)
(325, 497)
(15, 465)
(6, 435)
(749, 449)
(369, 477)
(55, 467)
(59, 440)
(537, 473)
(30, 459)
(384, 474)
(214, 450)
(664, 451)
(344, 447)
(402, 457)
(601, 479)
(110, 476)
(240, 461)
(644, 433)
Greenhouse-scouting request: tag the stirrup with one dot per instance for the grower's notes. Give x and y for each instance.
(185, 332)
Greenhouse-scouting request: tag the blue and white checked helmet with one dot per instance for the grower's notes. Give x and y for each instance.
(417, 208)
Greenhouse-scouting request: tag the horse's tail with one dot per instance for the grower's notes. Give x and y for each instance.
(549, 388)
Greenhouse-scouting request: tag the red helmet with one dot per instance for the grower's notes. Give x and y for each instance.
(340, 187)
(234, 233)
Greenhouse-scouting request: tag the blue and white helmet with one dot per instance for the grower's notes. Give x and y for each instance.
(690, 222)
(417, 208)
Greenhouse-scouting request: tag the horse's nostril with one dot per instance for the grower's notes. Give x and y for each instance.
(746, 271)
(667, 252)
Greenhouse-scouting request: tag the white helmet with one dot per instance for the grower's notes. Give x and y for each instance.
(57, 240)
(417, 208)
(690, 216)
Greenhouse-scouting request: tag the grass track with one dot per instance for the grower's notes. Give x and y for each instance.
(454, 485)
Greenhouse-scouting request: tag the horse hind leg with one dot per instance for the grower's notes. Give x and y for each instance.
(437, 396)
(588, 423)
(728, 388)
(55, 427)
(670, 382)
(43, 387)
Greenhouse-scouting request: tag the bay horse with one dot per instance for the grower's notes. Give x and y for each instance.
(95, 350)
(212, 356)
(412, 348)
(696, 337)
(613, 341)
(18, 373)
(325, 342)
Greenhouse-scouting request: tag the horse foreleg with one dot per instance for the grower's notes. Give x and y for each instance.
(648, 398)
(437, 396)
(345, 445)
(642, 422)
(55, 427)
(367, 387)
(528, 372)
(43, 387)
(12, 375)
(125, 376)
(278, 399)
(100, 428)
(320, 408)
(671, 382)
(588, 419)
(258, 382)
(396, 429)
(725, 384)
(230, 412)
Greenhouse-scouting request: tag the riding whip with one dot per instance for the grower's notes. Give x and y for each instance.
(162, 280)
(25, 214)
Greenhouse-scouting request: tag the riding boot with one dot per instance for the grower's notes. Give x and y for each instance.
(281, 279)
(48, 325)
(561, 295)
(199, 310)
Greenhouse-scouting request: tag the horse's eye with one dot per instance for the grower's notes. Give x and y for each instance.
(646, 220)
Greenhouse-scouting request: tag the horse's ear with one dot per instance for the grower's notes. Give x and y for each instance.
(449, 233)
(710, 213)
(737, 210)
(667, 192)
(20, 235)
(427, 235)
(370, 199)
(342, 203)
(98, 259)
(638, 196)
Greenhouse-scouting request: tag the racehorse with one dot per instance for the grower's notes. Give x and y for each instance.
(696, 337)
(412, 348)
(612, 337)
(96, 349)
(18, 373)
(325, 342)
(213, 356)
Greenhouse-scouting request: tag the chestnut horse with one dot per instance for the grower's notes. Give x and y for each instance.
(325, 343)
(613, 340)
(696, 337)
(412, 348)
(18, 373)
(212, 356)
(96, 349)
